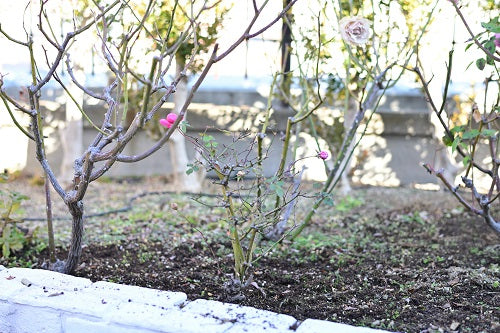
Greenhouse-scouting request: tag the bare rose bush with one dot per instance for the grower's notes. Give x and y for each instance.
(259, 208)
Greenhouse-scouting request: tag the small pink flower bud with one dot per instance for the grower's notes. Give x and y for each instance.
(164, 122)
(497, 40)
(323, 155)
(171, 117)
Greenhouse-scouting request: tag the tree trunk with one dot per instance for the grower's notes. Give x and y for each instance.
(177, 143)
(75, 250)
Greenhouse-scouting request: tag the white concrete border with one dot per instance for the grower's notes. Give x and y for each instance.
(34, 300)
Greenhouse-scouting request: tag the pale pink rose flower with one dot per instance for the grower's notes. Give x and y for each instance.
(497, 39)
(355, 30)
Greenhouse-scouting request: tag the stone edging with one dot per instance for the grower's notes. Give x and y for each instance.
(33, 300)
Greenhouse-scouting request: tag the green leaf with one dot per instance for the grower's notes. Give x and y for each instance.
(457, 129)
(317, 186)
(466, 161)
(328, 199)
(4, 177)
(184, 125)
(208, 138)
(209, 141)
(481, 63)
(489, 132)
(5, 250)
(192, 168)
(493, 25)
(447, 140)
(470, 134)
(490, 45)
(455, 143)
(15, 206)
(277, 188)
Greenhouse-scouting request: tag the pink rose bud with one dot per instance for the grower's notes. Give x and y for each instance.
(171, 117)
(165, 123)
(323, 155)
(497, 40)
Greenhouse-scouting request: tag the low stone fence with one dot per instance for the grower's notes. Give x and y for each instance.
(33, 300)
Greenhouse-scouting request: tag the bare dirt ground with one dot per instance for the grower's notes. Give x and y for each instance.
(399, 259)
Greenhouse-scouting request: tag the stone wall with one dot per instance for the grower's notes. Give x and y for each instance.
(397, 142)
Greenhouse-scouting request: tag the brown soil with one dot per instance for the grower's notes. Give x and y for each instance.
(397, 259)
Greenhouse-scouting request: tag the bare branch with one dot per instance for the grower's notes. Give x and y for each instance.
(476, 41)
(440, 117)
(69, 69)
(15, 103)
(62, 48)
(451, 188)
(14, 120)
(166, 136)
(40, 26)
(11, 38)
(246, 35)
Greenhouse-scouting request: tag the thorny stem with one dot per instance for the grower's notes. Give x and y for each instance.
(484, 203)
(341, 157)
(441, 120)
(239, 256)
(50, 228)
(474, 38)
(284, 153)
(473, 152)
(260, 139)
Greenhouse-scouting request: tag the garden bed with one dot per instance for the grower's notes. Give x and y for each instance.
(399, 259)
